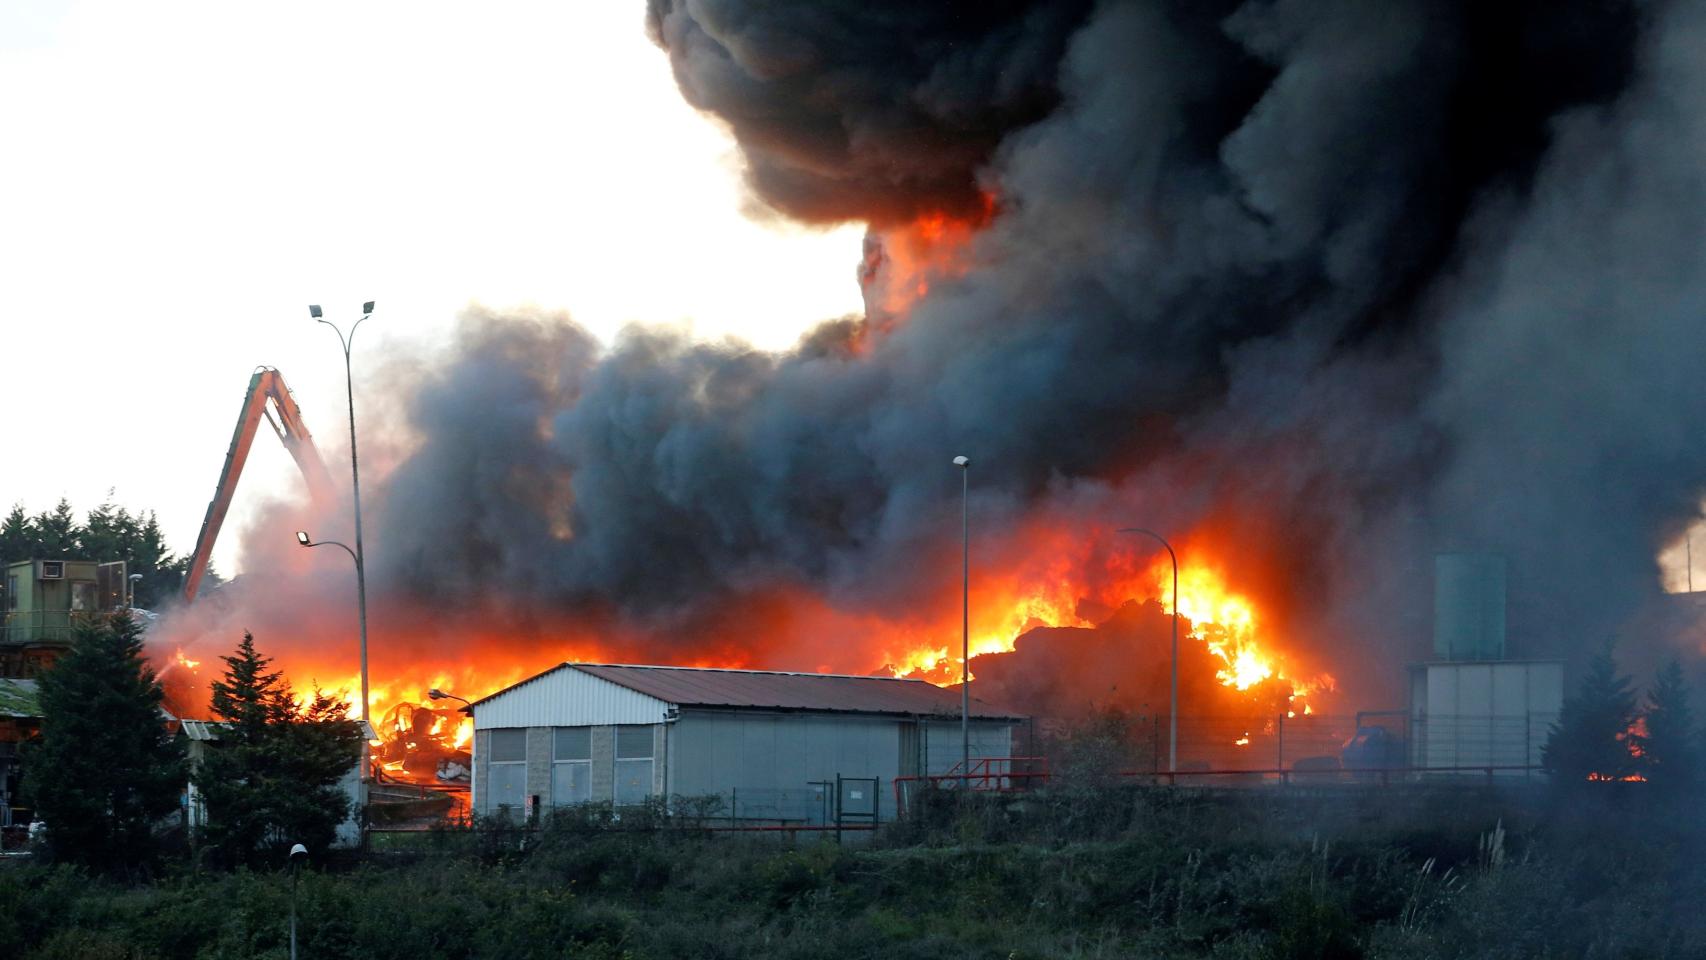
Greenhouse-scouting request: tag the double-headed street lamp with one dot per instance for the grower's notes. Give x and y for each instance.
(1173, 701)
(357, 555)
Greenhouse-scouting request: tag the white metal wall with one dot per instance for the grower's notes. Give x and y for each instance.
(766, 763)
(1489, 713)
(566, 697)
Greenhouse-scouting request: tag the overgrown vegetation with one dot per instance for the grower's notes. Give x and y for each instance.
(1345, 872)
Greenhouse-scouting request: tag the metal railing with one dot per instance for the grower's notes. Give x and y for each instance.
(41, 626)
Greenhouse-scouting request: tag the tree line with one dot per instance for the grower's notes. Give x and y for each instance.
(109, 533)
(107, 774)
(1607, 733)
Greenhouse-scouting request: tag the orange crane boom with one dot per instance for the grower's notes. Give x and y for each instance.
(286, 420)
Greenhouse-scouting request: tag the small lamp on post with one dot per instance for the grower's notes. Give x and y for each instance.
(133, 580)
(298, 853)
(438, 694)
(305, 540)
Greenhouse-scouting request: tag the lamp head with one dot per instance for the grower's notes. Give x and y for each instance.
(367, 307)
(437, 694)
(135, 577)
(298, 850)
(314, 310)
(962, 461)
(302, 538)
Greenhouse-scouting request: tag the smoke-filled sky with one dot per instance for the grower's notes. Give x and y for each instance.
(181, 180)
(1320, 288)
(1347, 283)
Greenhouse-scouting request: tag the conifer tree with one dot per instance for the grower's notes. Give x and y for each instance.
(1669, 755)
(106, 770)
(271, 781)
(56, 531)
(17, 539)
(1591, 739)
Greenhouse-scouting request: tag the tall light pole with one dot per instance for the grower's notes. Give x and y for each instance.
(964, 463)
(355, 481)
(1173, 707)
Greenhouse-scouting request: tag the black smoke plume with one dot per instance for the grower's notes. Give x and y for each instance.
(1354, 281)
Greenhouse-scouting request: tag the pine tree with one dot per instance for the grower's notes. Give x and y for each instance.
(272, 779)
(57, 531)
(18, 540)
(1669, 757)
(106, 770)
(1591, 739)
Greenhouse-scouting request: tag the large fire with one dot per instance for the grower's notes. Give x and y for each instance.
(1224, 621)
(1048, 578)
(1045, 572)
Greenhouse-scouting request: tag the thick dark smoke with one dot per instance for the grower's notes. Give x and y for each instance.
(1354, 281)
(859, 111)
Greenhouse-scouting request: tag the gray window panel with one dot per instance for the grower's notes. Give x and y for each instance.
(633, 780)
(633, 743)
(509, 745)
(573, 743)
(571, 782)
(507, 787)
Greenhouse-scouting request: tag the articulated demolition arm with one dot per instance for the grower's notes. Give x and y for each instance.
(267, 384)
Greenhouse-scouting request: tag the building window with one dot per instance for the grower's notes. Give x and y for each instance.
(571, 766)
(633, 764)
(83, 596)
(507, 781)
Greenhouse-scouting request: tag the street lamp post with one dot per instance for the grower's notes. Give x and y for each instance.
(964, 463)
(304, 539)
(438, 694)
(1173, 701)
(133, 579)
(355, 481)
(297, 850)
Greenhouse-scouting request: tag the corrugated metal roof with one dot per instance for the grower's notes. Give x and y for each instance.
(705, 687)
(201, 729)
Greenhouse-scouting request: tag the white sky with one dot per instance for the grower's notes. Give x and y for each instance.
(178, 180)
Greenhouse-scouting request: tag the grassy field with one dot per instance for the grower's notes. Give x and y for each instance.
(1095, 873)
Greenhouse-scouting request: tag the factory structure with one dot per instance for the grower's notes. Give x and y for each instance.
(784, 748)
(1470, 707)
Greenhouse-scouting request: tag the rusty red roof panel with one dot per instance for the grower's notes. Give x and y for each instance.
(704, 687)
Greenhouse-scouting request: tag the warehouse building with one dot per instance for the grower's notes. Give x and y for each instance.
(790, 748)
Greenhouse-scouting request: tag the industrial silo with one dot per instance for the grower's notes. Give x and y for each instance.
(1469, 606)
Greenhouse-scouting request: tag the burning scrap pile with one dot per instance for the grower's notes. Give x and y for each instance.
(1316, 289)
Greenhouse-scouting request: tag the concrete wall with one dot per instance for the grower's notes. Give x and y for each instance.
(539, 761)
